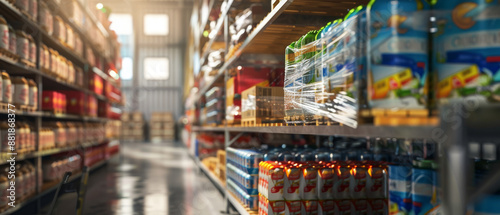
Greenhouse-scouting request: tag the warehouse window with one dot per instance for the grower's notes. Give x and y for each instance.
(156, 68)
(156, 24)
(126, 72)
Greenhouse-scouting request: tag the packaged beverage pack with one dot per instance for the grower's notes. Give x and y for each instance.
(424, 192)
(377, 186)
(293, 207)
(308, 182)
(289, 88)
(398, 56)
(466, 50)
(342, 182)
(359, 178)
(360, 207)
(400, 200)
(344, 207)
(292, 182)
(309, 207)
(488, 205)
(378, 206)
(326, 180)
(267, 207)
(326, 207)
(274, 176)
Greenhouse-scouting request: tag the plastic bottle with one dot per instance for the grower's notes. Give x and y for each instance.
(466, 50)
(398, 56)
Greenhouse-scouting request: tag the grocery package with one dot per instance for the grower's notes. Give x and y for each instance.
(208, 144)
(25, 180)
(46, 19)
(22, 45)
(12, 40)
(466, 51)
(53, 101)
(245, 77)
(322, 71)
(244, 23)
(398, 64)
(4, 34)
(53, 169)
(262, 105)
(76, 102)
(321, 188)
(6, 88)
(96, 83)
(21, 91)
(92, 106)
(214, 106)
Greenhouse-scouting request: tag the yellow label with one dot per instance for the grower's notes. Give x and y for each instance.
(381, 88)
(457, 81)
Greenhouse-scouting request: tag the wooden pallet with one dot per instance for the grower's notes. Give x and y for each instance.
(9, 56)
(27, 108)
(4, 107)
(56, 111)
(260, 122)
(233, 50)
(402, 117)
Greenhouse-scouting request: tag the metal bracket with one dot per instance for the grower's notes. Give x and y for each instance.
(231, 141)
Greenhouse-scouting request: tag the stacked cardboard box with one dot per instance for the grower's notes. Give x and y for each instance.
(162, 127)
(132, 126)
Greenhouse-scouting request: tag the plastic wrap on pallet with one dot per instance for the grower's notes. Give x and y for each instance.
(262, 104)
(322, 73)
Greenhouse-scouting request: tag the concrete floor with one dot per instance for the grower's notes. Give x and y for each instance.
(152, 179)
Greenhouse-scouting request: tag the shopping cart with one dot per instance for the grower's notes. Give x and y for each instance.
(70, 195)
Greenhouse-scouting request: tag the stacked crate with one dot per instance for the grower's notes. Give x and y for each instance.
(132, 126)
(162, 127)
(262, 106)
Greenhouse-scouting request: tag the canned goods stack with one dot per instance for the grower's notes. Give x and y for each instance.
(243, 176)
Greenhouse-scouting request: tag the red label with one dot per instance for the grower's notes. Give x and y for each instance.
(294, 206)
(278, 206)
(311, 206)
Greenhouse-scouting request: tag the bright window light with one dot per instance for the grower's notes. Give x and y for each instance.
(99, 6)
(156, 68)
(127, 69)
(156, 24)
(121, 23)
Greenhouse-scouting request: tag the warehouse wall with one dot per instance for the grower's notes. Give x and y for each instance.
(149, 96)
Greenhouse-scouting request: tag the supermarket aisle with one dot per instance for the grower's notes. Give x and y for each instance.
(152, 179)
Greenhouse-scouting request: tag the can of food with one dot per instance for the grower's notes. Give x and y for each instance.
(6, 88)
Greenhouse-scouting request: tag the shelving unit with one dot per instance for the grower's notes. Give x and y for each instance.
(50, 188)
(48, 82)
(290, 19)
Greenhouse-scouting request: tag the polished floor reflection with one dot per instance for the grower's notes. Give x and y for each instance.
(152, 180)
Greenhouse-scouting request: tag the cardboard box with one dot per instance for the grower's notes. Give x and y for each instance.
(245, 78)
(260, 104)
(76, 102)
(161, 117)
(136, 116)
(53, 101)
(125, 117)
